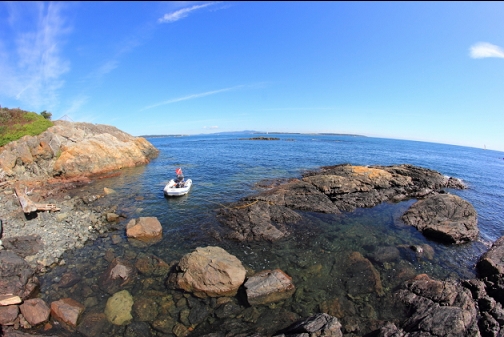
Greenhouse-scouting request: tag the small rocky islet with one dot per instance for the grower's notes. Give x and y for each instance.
(208, 292)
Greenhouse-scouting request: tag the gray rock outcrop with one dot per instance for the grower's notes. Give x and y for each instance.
(332, 189)
(444, 217)
(437, 308)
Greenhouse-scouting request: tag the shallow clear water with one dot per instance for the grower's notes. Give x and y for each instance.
(225, 168)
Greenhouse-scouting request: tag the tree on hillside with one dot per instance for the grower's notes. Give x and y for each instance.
(46, 115)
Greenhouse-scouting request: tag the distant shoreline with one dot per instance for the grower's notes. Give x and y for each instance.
(259, 132)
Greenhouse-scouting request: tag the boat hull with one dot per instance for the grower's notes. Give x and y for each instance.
(171, 190)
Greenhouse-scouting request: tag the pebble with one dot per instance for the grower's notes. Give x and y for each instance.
(59, 231)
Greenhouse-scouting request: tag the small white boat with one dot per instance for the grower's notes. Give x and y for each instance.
(174, 189)
(179, 186)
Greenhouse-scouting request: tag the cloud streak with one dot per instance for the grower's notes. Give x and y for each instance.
(485, 49)
(192, 96)
(33, 66)
(182, 13)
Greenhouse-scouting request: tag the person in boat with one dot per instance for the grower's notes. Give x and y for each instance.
(179, 182)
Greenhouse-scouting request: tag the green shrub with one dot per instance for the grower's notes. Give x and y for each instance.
(18, 123)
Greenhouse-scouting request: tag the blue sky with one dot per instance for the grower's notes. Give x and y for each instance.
(430, 71)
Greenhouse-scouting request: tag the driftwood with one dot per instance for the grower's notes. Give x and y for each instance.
(29, 206)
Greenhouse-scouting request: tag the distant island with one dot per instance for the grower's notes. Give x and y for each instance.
(261, 138)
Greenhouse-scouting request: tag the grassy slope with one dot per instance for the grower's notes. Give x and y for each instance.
(16, 123)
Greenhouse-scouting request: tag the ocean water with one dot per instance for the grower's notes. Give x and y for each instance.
(225, 168)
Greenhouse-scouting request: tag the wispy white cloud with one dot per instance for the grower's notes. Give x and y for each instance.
(210, 127)
(192, 96)
(303, 109)
(485, 49)
(32, 65)
(182, 13)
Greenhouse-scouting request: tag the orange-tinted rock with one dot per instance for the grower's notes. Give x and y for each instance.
(269, 286)
(35, 311)
(210, 271)
(74, 149)
(145, 229)
(67, 311)
(9, 300)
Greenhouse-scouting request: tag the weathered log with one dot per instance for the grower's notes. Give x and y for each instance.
(29, 206)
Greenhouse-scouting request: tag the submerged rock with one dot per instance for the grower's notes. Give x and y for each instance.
(209, 272)
(119, 274)
(317, 325)
(269, 286)
(444, 217)
(119, 307)
(363, 278)
(93, 324)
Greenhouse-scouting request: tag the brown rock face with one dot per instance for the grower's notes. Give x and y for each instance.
(444, 217)
(269, 286)
(145, 229)
(67, 311)
(492, 262)
(74, 149)
(210, 272)
(35, 311)
(8, 314)
(16, 276)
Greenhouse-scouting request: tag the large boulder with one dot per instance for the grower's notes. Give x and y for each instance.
(147, 230)
(269, 286)
(444, 217)
(209, 272)
(74, 149)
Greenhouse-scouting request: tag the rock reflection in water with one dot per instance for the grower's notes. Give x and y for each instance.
(345, 265)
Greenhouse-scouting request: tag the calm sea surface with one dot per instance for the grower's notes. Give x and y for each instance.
(225, 168)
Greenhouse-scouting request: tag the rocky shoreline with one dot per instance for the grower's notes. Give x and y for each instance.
(184, 306)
